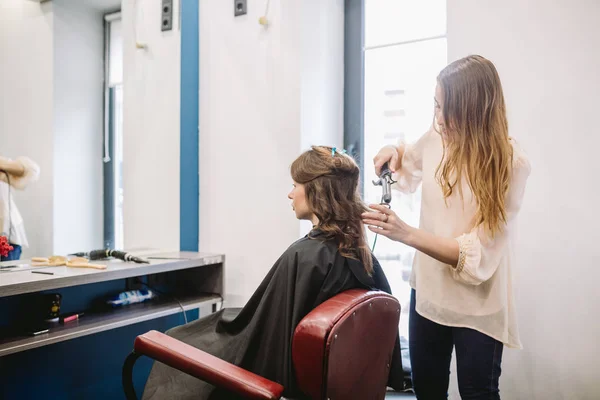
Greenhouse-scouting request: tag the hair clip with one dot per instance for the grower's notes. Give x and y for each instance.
(334, 150)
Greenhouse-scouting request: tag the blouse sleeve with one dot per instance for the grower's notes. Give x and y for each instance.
(410, 174)
(480, 255)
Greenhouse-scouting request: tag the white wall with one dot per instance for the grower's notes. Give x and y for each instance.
(322, 80)
(151, 91)
(254, 89)
(78, 126)
(547, 54)
(26, 112)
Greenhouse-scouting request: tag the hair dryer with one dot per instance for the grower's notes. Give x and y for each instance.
(101, 254)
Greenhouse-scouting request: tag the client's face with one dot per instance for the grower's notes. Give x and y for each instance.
(299, 203)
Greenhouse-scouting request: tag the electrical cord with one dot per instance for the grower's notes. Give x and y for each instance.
(377, 234)
(166, 295)
(264, 20)
(374, 243)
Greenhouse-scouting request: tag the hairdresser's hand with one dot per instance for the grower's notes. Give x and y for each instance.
(389, 154)
(385, 222)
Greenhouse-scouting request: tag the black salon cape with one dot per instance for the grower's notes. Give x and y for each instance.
(259, 336)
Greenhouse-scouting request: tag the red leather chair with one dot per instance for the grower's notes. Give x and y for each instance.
(341, 350)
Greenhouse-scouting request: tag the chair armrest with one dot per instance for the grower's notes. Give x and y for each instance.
(206, 367)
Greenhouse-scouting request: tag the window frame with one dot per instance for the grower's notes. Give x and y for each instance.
(354, 78)
(109, 166)
(354, 81)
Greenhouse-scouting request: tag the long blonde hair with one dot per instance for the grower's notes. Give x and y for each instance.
(331, 183)
(478, 146)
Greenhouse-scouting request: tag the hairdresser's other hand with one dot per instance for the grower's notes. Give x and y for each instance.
(385, 222)
(389, 154)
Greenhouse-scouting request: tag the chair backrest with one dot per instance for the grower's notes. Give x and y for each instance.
(343, 348)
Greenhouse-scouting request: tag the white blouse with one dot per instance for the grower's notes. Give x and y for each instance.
(477, 293)
(11, 221)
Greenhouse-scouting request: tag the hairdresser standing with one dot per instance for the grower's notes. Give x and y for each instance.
(14, 175)
(473, 176)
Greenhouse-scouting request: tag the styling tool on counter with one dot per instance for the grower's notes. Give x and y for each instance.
(106, 253)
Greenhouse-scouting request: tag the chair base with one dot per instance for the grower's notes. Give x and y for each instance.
(127, 376)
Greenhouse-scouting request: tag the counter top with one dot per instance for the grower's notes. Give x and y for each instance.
(20, 279)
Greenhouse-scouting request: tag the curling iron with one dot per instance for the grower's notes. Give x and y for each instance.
(101, 254)
(385, 181)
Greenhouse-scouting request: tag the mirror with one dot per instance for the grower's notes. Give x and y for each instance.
(61, 123)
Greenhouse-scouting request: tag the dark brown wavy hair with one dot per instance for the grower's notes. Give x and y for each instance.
(331, 184)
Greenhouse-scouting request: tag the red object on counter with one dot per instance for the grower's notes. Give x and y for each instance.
(5, 247)
(70, 318)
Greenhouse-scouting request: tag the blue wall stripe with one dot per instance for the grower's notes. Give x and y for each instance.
(189, 175)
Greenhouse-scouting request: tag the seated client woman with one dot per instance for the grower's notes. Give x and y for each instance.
(332, 258)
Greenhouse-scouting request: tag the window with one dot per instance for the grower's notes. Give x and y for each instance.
(113, 133)
(403, 50)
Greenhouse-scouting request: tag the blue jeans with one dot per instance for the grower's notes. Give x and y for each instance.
(478, 359)
(14, 254)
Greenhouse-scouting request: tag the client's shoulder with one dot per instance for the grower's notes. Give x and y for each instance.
(310, 248)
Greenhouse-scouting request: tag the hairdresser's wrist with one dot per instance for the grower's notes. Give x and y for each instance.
(412, 237)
